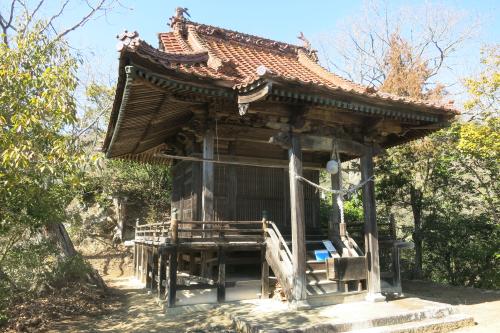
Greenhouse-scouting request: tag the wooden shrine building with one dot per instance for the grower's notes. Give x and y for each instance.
(247, 123)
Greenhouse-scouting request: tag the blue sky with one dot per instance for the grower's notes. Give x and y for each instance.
(278, 19)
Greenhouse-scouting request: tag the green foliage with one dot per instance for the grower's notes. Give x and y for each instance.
(40, 166)
(460, 249)
(39, 169)
(353, 209)
(483, 90)
(146, 187)
(448, 183)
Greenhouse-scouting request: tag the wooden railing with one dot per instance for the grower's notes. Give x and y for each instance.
(178, 231)
(154, 232)
(279, 257)
(217, 231)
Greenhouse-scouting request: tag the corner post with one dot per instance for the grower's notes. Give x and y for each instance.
(172, 263)
(371, 233)
(297, 221)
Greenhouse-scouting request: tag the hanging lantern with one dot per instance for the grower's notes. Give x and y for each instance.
(332, 167)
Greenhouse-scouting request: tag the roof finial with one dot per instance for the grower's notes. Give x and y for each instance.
(179, 13)
(307, 45)
(305, 41)
(179, 16)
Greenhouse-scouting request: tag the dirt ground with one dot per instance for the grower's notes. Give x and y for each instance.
(483, 305)
(138, 311)
(126, 307)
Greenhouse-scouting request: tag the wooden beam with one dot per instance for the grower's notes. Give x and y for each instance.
(321, 143)
(259, 162)
(297, 221)
(371, 233)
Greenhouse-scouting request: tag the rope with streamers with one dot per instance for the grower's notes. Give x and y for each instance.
(342, 193)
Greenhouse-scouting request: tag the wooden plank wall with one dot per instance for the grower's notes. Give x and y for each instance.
(242, 193)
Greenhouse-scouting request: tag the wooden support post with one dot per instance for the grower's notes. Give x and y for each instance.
(162, 270)
(207, 197)
(135, 260)
(221, 281)
(192, 263)
(333, 223)
(396, 270)
(172, 277)
(154, 269)
(264, 274)
(297, 221)
(142, 269)
(371, 233)
(149, 268)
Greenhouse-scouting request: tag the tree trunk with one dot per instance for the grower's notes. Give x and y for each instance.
(56, 233)
(5, 277)
(416, 207)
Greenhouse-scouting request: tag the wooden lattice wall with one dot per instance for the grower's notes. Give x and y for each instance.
(242, 193)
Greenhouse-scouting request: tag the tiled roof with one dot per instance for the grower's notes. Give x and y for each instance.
(236, 57)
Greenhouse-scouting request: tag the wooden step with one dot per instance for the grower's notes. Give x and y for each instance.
(316, 275)
(321, 287)
(315, 265)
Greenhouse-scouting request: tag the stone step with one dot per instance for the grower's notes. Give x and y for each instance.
(336, 298)
(445, 324)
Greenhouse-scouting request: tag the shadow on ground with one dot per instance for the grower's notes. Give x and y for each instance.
(449, 294)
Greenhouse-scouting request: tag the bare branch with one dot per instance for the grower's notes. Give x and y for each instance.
(55, 16)
(6, 24)
(84, 20)
(29, 16)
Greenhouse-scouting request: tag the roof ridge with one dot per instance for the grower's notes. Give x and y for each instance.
(244, 38)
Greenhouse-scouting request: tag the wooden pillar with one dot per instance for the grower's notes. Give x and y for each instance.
(334, 221)
(149, 268)
(297, 221)
(207, 200)
(396, 269)
(264, 274)
(135, 260)
(221, 281)
(172, 277)
(154, 270)
(142, 269)
(162, 270)
(371, 233)
(207, 196)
